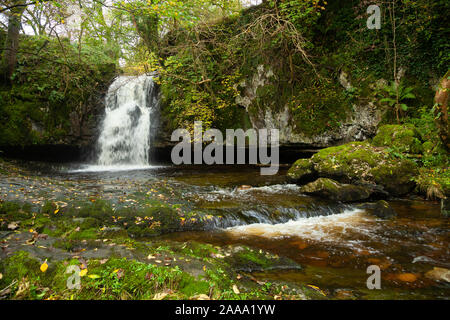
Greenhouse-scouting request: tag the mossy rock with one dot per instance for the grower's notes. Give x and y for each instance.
(333, 190)
(396, 176)
(427, 147)
(362, 163)
(402, 138)
(381, 209)
(252, 260)
(302, 171)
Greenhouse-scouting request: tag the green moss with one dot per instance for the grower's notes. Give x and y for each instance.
(330, 189)
(362, 162)
(401, 138)
(301, 169)
(44, 92)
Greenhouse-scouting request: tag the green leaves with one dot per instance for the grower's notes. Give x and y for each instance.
(396, 94)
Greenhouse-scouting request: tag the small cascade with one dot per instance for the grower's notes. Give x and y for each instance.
(125, 132)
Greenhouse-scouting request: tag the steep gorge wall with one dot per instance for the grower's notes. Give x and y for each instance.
(240, 79)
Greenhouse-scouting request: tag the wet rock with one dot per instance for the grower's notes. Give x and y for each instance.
(439, 274)
(381, 209)
(302, 171)
(330, 189)
(445, 207)
(361, 163)
(402, 138)
(252, 260)
(345, 294)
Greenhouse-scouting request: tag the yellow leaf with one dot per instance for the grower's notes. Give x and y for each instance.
(44, 266)
(94, 276)
(160, 296)
(1, 276)
(235, 289)
(83, 272)
(317, 289)
(56, 211)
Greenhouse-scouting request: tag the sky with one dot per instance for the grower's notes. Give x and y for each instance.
(74, 19)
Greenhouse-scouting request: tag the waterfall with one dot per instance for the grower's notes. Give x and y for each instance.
(125, 133)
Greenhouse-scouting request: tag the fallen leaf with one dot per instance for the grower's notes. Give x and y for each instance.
(440, 274)
(160, 296)
(1, 276)
(317, 289)
(200, 297)
(44, 266)
(83, 272)
(103, 261)
(119, 273)
(94, 276)
(13, 226)
(407, 277)
(235, 289)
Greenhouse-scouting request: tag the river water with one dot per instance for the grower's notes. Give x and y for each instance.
(334, 243)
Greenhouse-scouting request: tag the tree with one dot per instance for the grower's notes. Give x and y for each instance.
(12, 40)
(441, 110)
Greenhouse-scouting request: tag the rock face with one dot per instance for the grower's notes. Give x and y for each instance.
(330, 189)
(381, 209)
(361, 123)
(360, 163)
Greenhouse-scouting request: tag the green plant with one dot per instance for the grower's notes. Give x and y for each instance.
(397, 93)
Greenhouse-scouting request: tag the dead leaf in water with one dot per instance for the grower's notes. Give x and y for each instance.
(407, 277)
(439, 274)
(317, 289)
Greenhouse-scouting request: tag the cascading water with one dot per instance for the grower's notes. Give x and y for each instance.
(124, 141)
(125, 134)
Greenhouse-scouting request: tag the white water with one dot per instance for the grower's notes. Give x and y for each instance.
(124, 142)
(336, 228)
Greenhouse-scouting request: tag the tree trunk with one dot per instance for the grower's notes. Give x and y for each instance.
(12, 43)
(441, 110)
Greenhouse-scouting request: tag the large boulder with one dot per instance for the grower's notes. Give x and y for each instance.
(330, 189)
(401, 138)
(360, 163)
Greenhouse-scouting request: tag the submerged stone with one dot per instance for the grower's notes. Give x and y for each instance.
(381, 209)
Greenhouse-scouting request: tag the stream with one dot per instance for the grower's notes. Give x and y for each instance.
(333, 242)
